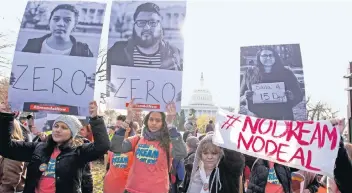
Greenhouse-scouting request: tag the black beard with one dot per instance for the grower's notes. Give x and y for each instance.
(146, 43)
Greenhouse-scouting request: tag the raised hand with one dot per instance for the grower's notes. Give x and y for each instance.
(340, 124)
(93, 109)
(170, 112)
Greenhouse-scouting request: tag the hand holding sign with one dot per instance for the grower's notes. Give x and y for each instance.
(171, 112)
(339, 123)
(289, 95)
(93, 109)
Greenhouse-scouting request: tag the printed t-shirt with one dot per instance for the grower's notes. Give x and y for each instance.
(149, 172)
(47, 181)
(273, 184)
(116, 178)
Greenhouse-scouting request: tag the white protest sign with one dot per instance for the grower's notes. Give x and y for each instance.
(145, 55)
(52, 83)
(269, 93)
(298, 144)
(151, 88)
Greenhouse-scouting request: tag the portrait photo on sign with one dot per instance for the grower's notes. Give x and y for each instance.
(61, 28)
(56, 57)
(272, 82)
(145, 53)
(147, 34)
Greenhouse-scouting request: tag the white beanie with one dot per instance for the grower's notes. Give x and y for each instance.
(72, 122)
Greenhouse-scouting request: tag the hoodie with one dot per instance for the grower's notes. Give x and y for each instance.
(225, 178)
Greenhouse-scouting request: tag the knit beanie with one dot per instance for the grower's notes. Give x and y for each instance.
(72, 122)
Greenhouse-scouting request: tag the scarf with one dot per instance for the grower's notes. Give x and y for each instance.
(151, 136)
(204, 178)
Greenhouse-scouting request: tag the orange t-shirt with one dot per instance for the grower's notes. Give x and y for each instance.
(47, 181)
(322, 190)
(116, 178)
(149, 172)
(273, 184)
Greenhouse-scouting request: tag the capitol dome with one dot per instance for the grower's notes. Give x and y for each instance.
(201, 97)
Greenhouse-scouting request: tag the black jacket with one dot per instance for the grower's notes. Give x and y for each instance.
(87, 178)
(259, 175)
(230, 169)
(188, 168)
(70, 162)
(343, 170)
(78, 49)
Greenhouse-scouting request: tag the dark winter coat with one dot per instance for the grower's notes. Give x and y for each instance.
(70, 162)
(343, 170)
(78, 49)
(259, 175)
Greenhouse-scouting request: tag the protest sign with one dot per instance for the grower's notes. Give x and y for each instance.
(298, 144)
(272, 82)
(55, 59)
(269, 93)
(145, 56)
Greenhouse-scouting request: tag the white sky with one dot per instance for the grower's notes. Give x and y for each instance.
(215, 31)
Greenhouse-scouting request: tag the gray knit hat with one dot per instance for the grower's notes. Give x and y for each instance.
(72, 122)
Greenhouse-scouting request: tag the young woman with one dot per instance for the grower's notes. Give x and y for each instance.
(270, 69)
(55, 166)
(118, 164)
(62, 22)
(216, 170)
(12, 172)
(153, 151)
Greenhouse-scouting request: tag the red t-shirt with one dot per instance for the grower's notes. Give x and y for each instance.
(47, 181)
(116, 178)
(149, 170)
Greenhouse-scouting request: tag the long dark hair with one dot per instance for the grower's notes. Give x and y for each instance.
(278, 66)
(165, 137)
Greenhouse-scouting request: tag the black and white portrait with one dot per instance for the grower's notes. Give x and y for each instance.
(62, 28)
(147, 35)
(272, 82)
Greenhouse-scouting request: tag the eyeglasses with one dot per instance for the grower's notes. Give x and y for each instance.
(151, 23)
(267, 55)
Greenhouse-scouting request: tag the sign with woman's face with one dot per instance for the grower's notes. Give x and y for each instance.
(62, 23)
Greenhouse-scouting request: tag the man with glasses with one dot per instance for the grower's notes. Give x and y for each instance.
(146, 48)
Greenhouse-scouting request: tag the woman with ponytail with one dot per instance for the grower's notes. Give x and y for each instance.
(153, 151)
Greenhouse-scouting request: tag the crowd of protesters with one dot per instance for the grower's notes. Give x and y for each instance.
(149, 158)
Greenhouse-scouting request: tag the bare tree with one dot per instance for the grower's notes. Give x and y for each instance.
(4, 44)
(4, 87)
(319, 110)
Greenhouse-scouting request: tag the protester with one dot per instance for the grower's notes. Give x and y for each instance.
(186, 134)
(86, 135)
(62, 21)
(343, 165)
(12, 173)
(210, 127)
(216, 170)
(154, 150)
(55, 166)
(191, 144)
(119, 164)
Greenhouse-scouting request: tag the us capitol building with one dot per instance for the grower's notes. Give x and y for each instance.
(202, 102)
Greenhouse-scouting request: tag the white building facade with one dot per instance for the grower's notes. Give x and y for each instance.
(202, 102)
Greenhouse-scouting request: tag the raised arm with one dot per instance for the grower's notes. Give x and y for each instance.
(178, 150)
(92, 151)
(15, 150)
